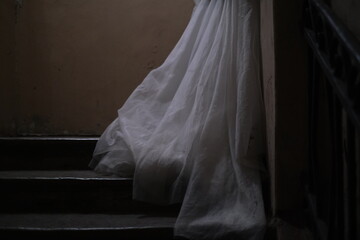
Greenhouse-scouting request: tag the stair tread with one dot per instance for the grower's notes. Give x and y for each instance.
(47, 138)
(72, 192)
(58, 175)
(83, 221)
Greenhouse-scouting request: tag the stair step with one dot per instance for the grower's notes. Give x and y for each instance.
(46, 153)
(131, 226)
(71, 191)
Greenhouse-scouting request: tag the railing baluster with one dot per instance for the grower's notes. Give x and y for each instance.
(334, 57)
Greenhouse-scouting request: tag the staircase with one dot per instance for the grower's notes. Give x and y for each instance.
(48, 191)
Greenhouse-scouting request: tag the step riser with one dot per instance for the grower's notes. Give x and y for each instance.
(46, 155)
(45, 163)
(64, 196)
(130, 234)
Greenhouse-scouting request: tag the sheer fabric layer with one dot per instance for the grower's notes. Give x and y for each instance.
(191, 132)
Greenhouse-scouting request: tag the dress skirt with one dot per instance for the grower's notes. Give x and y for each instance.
(192, 131)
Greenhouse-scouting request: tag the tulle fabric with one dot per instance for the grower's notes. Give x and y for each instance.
(191, 132)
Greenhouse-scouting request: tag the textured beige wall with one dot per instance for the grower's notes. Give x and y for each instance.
(349, 12)
(77, 61)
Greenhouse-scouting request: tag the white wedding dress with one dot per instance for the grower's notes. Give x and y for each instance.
(192, 131)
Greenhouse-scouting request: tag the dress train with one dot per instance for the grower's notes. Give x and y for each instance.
(192, 131)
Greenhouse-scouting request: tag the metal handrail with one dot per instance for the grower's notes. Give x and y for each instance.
(338, 52)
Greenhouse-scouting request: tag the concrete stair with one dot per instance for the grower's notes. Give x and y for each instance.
(46, 153)
(49, 192)
(89, 226)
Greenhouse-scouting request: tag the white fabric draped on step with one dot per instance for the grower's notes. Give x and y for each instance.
(191, 132)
